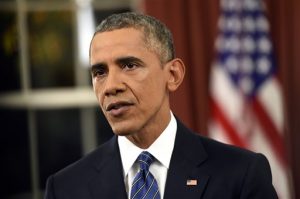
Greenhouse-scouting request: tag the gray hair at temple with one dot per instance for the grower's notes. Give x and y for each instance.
(157, 36)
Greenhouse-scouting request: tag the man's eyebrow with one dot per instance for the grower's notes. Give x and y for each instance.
(127, 59)
(98, 65)
(119, 61)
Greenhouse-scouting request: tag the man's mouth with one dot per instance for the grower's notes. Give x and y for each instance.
(118, 108)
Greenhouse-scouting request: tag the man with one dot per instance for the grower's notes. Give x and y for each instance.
(152, 155)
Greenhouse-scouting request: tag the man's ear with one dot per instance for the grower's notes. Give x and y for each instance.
(176, 71)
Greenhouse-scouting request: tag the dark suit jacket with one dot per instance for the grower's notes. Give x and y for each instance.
(221, 171)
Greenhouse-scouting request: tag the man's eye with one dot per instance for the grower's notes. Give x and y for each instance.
(129, 66)
(98, 72)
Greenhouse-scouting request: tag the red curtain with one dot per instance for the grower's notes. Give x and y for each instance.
(194, 26)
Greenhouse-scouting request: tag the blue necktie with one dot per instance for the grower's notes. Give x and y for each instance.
(144, 185)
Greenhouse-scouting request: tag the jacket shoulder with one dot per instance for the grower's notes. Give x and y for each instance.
(84, 167)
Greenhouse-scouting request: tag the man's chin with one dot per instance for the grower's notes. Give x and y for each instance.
(122, 131)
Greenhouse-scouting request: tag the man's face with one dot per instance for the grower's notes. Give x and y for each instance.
(130, 82)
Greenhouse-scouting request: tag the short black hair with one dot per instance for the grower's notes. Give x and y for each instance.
(156, 34)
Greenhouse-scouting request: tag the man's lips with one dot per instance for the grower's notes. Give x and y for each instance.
(117, 105)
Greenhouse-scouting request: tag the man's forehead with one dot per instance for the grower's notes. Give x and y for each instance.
(120, 43)
(118, 38)
(113, 53)
(120, 33)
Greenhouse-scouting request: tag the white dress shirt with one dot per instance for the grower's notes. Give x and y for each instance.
(161, 149)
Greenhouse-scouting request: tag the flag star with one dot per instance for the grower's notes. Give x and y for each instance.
(263, 65)
(247, 66)
(262, 24)
(246, 85)
(234, 24)
(232, 64)
(233, 44)
(248, 44)
(251, 5)
(248, 24)
(228, 44)
(230, 5)
(264, 45)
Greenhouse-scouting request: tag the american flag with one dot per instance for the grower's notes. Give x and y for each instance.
(246, 98)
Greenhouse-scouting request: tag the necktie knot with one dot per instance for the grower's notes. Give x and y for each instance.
(145, 159)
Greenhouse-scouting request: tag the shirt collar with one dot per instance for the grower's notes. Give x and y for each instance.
(161, 148)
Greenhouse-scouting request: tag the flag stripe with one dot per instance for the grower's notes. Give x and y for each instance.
(260, 143)
(270, 131)
(225, 94)
(229, 130)
(272, 90)
(216, 131)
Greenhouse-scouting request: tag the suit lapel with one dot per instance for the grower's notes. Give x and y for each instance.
(108, 181)
(187, 157)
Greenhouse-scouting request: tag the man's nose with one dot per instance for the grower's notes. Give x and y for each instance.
(114, 83)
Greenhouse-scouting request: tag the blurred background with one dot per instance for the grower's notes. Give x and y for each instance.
(241, 85)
